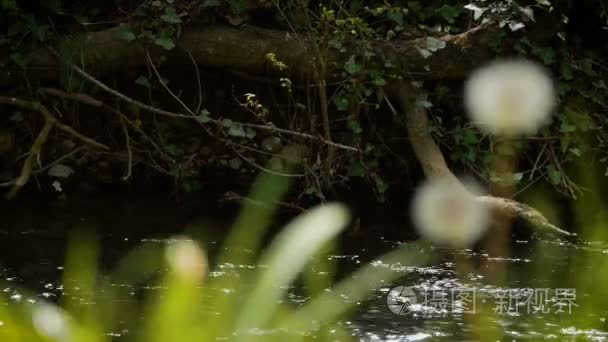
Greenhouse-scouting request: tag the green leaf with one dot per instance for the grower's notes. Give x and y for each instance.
(170, 16)
(396, 16)
(237, 130)
(566, 127)
(125, 32)
(250, 133)
(174, 150)
(576, 151)
(341, 102)
(143, 81)
(381, 185)
(165, 42)
(555, 175)
(351, 66)
(203, 117)
(434, 44)
(227, 123)
(449, 13)
(356, 170)
(546, 54)
(566, 71)
(517, 177)
(354, 125)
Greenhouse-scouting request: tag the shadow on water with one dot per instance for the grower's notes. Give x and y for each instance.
(33, 237)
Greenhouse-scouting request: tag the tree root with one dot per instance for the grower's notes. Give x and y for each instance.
(434, 166)
(50, 122)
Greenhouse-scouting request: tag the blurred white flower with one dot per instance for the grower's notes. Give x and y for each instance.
(187, 259)
(50, 322)
(448, 214)
(510, 97)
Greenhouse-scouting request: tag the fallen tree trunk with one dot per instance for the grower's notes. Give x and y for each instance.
(245, 49)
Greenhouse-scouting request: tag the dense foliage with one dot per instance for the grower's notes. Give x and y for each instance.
(345, 102)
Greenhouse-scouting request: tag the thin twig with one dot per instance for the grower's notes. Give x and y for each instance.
(125, 130)
(198, 82)
(83, 138)
(46, 167)
(535, 166)
(78, 97)
(214, 121)
(233, 196)
(49, 122)
(164, 84)
(261, 168)
(125, 98)
(144, 135)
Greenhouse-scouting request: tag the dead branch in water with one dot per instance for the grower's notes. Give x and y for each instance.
(50, 122)
(434, 166)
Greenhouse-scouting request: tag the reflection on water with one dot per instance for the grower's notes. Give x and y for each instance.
(442, 306)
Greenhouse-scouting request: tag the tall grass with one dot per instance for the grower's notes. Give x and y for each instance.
(252, 310)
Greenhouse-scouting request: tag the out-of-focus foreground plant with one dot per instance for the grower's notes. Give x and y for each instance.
(90, 308)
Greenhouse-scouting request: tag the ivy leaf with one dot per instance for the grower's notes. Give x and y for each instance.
(547, 54)
(356, 170)
(237, 130)
(143, 81)
(165, 42)
(449, 13)
(171, 16)
(250, 132)
(203, 117)
(425, 53)
(477, 11)
(125, 32)
(227, 123)
(341, 102)
(434, 44)
(566, 72)
(396, 16)
(351, 66)
(354, 126)
(515, 26)
(174, 150)
(576, 151)
(517, 177)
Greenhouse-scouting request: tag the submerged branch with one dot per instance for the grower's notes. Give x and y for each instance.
(434, 166)
(49, 123)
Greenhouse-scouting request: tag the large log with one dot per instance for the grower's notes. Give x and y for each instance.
(244, 49)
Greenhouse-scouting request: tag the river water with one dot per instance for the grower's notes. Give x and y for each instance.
(454, 298)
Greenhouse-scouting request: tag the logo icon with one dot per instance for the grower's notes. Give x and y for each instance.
(400, 300)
